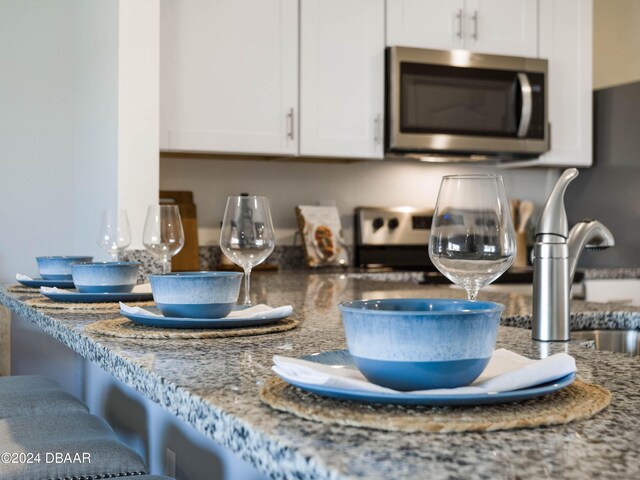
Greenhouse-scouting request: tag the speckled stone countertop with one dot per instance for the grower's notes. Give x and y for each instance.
(213, 385)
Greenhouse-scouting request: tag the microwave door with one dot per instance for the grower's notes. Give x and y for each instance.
(526, 105)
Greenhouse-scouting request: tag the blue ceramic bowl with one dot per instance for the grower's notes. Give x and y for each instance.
(58, 268)
(196, 294)
(105, 277)
(419, 344)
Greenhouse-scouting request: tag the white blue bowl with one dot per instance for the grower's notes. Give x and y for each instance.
(420, 344)
(58, 268)
(105, 277)
(196, 294)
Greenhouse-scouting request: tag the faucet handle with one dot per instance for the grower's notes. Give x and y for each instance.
(553, 218)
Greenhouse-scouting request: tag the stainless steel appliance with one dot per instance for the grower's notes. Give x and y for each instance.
(393, 237)
(459, 105)
(397, 238)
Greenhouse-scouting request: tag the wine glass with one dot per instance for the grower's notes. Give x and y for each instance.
(163, 235)
(472, 238)
(247, 237)
(115, 232)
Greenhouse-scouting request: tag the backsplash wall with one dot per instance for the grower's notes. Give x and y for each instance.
(348, 185)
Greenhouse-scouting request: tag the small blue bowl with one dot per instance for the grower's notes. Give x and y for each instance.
(105, 277)
(58, 268)
(419, 344)
(196, 294)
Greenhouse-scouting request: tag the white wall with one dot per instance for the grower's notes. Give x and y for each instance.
(78, 123)
(288, 184)
(117, 82)
(96, 81)
(138, 110)
(616, 42)
(37, 132)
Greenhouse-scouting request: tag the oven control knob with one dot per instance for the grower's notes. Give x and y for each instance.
(393, 223)
(378, 223)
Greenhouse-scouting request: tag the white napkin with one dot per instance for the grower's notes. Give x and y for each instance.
(23, 278)
(505, 371)
(142, 288)
(255, 311)
(55, 290)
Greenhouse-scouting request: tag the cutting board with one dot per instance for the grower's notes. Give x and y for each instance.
(187, 259)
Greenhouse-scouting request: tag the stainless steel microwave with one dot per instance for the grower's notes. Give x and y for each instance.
(466, 106)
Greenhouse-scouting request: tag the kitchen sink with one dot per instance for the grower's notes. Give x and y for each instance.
(619, 341)
(621, 292)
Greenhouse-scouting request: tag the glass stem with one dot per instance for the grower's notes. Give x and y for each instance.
(472, 293)
(165, 265)
(247, 285)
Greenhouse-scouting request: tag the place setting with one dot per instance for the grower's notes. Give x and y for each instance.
(204, 304)
(79, 283)
(431, 365)
(96, 286)
(55, 272)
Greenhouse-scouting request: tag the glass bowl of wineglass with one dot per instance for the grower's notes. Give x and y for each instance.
(472, 237)
(247, 236)
(163, 235)
(115, 233)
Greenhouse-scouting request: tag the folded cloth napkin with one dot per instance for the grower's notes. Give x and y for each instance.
(506, 371)
(142, 288)
(23, 278)
(255, 311)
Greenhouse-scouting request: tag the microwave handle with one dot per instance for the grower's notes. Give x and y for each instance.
(527, 105)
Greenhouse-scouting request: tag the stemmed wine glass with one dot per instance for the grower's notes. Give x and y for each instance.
(472, 238)
(247, 237)
(115, 232)
(163, 234)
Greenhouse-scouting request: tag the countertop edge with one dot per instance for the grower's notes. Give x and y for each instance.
(223, 428)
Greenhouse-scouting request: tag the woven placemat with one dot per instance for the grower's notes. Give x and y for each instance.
(48, 304)
(124, 328)
(578, 401)
(22, 289)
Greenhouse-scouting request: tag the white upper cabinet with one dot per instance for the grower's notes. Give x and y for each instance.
(229, 76)
(503, 27)
(434, 24)
(566, 41)
(342, 78)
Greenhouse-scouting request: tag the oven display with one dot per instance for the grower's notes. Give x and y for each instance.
(421, 222)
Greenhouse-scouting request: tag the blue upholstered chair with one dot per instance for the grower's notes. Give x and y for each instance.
(27, 395)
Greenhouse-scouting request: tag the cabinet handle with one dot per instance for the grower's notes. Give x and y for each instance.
(474, 18)
(290, 124)
(459, 18)
(377, 129)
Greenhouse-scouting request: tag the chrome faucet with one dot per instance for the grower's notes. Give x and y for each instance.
(556, 254)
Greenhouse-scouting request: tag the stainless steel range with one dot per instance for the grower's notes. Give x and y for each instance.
(397, 238)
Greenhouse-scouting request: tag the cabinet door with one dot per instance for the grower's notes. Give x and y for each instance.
(341, 78)
(425, 23)
(229, 76)
(503, 27)
(565, 40)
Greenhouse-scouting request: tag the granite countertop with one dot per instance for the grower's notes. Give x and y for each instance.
(213, 385)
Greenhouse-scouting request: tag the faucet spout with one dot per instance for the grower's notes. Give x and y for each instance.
(552, 224)
(589, 234)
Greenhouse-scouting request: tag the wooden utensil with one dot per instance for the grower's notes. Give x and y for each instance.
(525, 210)
(514, 204)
